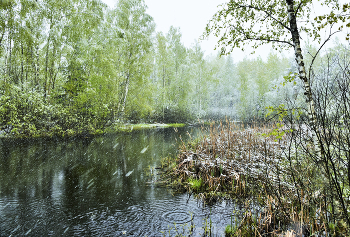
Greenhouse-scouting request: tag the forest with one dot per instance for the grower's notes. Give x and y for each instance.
(79, 67)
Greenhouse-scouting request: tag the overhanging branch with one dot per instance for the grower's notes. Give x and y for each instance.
(267, 13)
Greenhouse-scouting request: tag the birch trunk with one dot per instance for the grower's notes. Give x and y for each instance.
(163, 91)
(47, 61)
(302, 75)
(319, 146)
(127, 82)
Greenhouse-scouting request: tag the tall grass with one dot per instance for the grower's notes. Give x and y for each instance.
(263, 165)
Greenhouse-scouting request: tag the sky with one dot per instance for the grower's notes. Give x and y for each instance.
(191, 16)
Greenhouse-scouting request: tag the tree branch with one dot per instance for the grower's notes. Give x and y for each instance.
(271, 40)
(267, 40)
(266, 12)
(318, 51)
(296, 11)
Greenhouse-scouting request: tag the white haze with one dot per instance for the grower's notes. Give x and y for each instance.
(191, 16)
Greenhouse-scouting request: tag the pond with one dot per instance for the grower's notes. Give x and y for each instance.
(98, 187)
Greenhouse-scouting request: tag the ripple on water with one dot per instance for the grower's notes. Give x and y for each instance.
(134, 213)
(177, 216)
(129, 219)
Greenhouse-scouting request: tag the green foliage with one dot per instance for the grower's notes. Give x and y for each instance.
(28, 115)
(256, 23)
(289, 78)
(90, 66)
(195, 184)
(281, 111)
(279, 131)
(230, 230)
(173, 114)
(136, 28)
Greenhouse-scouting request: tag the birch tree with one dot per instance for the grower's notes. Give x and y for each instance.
(257, 22)
(244, 22)
(136, 28)
(163, 68)
(171, 65)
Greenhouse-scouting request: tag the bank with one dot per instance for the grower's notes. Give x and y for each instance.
(23, 130)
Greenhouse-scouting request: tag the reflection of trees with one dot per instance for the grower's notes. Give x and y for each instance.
(81, 175)
(71, 188)
(93, 160)
(21, 165)
(46, 183)
(4, 167)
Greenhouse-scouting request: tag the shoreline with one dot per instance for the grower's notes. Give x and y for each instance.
(115, 128)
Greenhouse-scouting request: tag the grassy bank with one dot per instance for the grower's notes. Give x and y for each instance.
(131, 127)
(258, 165)
(56, 131)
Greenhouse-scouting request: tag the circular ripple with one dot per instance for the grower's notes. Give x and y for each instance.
(178, 217)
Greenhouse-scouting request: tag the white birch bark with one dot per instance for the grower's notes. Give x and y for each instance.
(302, 75)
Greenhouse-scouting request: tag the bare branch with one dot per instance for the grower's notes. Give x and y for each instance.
(318, 51)
(266, 40)
(298, 8)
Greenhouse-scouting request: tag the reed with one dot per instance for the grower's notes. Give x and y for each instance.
(255, 163)
(227, 160)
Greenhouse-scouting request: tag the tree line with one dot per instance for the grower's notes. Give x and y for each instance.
(78, 66)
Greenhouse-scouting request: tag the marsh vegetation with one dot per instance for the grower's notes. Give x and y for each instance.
(288, 190)
(298, 188)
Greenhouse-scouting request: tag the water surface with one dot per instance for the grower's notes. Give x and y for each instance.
(98, 187)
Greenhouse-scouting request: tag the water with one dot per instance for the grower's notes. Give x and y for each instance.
(98, 187)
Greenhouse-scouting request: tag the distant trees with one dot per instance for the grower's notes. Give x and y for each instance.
(181, 76)
(76, 67)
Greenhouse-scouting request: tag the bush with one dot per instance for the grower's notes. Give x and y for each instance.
(173, 114)
(30, 115)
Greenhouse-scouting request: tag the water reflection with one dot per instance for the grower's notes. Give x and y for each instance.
(94, 186)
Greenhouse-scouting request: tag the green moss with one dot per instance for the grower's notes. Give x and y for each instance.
(195, 184)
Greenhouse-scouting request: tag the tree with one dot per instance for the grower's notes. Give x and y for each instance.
(162, 68)
(242, 22)
(223, 87)
(136, 28)
(171, 76)
(199, 77)
(177, 59)
(260, 22)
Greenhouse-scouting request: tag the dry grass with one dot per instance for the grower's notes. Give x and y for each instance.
(240, 163)
(230, 158)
